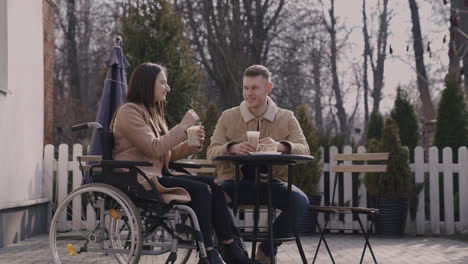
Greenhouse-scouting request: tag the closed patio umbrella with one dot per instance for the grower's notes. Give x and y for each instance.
(113, 94)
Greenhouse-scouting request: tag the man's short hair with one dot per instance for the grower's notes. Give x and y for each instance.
(258, 70)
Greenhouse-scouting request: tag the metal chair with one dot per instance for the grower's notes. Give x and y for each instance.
(347, 171)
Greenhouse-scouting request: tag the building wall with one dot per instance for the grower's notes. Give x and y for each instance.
(3, 48)
(22, 108)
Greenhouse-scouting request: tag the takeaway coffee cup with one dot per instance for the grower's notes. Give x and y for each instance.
(253, 137)
(192, 134)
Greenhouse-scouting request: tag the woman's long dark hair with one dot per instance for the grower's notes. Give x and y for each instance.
(141, 89)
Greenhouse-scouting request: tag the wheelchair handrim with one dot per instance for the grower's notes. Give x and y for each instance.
(90, 188)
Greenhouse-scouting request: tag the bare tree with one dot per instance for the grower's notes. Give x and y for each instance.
(84, 33)
(453, 48)
(464, 29)
(288, 60)
(339, 105)
(461, 26)
(377, 65)
(290, 80)
(72, 52)
(231, 35)
(356, 85)
(317, 61)
(298, 56)
(367, 53)
(422, 80)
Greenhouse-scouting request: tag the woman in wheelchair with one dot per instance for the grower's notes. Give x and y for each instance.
(141, 133)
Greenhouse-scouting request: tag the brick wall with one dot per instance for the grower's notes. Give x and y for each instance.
(48, 9)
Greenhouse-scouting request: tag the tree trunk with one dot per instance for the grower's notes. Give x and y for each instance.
(72, 50)
(463, 26)
(423, 85)
(365, 78)
(84, 43)
(316, 65)
(454, 57)
(381, 55)
(341, 112)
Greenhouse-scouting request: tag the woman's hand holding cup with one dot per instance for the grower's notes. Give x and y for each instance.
(189, 119)
(196, 134)
(201, 134)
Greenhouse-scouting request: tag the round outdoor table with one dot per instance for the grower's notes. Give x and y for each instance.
(268, 161)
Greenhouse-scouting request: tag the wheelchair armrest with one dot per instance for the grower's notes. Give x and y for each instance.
(125, 163)
(183, 164)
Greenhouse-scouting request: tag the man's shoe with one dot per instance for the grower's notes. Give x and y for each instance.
(233, 254)
(214, 257)
(262, 257)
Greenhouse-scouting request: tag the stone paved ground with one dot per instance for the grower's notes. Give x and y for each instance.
(346, 249)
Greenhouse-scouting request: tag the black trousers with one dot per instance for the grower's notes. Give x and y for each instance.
(208, 202)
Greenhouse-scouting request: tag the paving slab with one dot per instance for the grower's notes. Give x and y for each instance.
(346, 249)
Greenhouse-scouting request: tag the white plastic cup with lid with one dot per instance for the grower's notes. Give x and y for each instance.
(253, 137)
(192, 134)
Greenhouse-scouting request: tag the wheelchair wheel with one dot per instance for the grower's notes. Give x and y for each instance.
(120, 233)
(81, 230)
(161, 240)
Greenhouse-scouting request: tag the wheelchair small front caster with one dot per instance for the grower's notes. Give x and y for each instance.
(172, 258)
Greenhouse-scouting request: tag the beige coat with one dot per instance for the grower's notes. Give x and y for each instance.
(277, 123)
(137, 138)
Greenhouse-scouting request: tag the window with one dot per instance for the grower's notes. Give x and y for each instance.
(3, 48)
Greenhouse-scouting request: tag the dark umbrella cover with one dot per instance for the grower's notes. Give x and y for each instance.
(113, 94)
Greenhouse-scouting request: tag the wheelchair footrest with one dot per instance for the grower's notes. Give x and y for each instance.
(181, 228)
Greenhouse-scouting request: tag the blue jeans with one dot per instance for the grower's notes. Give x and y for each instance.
(283, 225)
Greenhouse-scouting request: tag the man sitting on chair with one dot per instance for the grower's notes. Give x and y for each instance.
(278, 127)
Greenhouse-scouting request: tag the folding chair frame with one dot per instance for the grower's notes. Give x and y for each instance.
(355, 211)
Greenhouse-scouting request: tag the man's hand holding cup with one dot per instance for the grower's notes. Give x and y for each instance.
(243, 148)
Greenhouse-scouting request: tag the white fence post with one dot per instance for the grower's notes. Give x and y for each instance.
(333, 217)
(463, 188)
(434, 189)
(419, 179)
(448, 191)
(77, 210)
(348, 190)
(48, 172)
(362, 194)
(322, 184)
(62, 178)
(48, 164)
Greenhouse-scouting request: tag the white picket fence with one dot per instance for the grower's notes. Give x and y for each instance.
(65, 169)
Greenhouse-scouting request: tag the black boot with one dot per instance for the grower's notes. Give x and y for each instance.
(233, 254)
(214, 257)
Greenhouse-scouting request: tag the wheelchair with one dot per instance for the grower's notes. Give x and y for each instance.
(107, 221)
